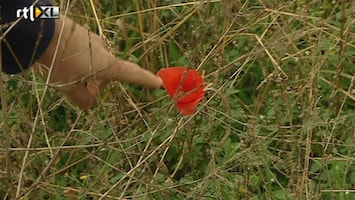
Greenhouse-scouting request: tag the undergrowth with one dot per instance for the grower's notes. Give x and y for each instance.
(277, 120)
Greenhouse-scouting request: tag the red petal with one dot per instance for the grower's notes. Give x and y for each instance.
(171, 78)
(188, 108)
(192, 89)
(192, 82)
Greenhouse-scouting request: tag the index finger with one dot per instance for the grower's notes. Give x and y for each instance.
(129, 72)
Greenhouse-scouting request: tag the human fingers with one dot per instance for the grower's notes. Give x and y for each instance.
(79, 95)
(96, 87)
(129, 72)
(82, 54)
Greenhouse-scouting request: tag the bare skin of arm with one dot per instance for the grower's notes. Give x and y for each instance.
(79, 64)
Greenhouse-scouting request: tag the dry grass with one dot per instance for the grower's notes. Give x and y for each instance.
(278, 120)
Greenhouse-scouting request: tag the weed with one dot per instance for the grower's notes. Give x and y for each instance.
(278, 120)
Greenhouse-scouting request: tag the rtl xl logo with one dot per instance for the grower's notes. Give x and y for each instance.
(34, 12)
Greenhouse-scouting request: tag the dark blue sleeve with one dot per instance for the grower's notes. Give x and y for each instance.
(27, 40)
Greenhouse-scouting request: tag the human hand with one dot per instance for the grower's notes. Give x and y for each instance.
(80, 65)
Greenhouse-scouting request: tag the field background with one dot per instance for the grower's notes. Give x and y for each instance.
(277, 121)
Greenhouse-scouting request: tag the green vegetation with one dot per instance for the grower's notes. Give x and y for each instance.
(277, 122)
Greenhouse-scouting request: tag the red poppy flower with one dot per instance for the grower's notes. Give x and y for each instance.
(185, 86)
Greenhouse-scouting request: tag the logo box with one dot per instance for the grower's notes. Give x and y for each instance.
(34, 12)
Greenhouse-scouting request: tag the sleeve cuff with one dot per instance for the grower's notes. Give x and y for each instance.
(25, 42)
